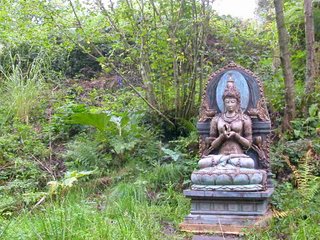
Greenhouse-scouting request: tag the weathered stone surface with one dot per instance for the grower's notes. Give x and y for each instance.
(224, 179)
(236, 224)
(216, 237)
(241, 179)
(227, 179)
(231, 190)
(222, 195)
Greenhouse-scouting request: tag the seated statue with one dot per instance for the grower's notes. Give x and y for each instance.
(230, 136)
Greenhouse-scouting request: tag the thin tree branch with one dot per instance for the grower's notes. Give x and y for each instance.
(112, 66)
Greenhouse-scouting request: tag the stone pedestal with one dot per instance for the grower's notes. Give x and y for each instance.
(227, 212)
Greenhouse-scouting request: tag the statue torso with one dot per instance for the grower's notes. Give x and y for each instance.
(230, 124)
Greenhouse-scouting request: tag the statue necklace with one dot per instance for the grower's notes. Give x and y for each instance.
(230, 119)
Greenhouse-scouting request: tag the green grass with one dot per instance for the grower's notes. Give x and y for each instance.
(124, 211)
(21, 91)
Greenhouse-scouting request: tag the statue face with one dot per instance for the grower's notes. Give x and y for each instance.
(230, 104)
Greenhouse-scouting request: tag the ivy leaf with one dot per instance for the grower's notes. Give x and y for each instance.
(174, 155)
(297, 133)
(68, 182)
(313, 110)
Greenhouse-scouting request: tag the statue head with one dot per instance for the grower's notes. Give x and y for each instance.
(231, 92)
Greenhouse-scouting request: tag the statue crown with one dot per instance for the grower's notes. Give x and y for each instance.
(231, 91)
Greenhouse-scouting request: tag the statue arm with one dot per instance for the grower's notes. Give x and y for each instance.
(214, 127)
(217, 142)
(246, 139)
(214, 134)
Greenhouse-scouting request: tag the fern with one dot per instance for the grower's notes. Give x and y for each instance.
(83, 154)
(308, 184)
(280, 214)
(293, 169)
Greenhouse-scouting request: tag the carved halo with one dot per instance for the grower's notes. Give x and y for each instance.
(260, 110)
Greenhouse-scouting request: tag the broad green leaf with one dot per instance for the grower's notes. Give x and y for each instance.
(124, 121)
(174, 155)
(97, 120)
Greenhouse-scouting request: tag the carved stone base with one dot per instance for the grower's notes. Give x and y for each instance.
(234, 188)
(227, 212)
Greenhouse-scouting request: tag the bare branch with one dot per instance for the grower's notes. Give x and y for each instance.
(111, 65)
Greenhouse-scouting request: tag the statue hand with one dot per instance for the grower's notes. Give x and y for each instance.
(231, 134)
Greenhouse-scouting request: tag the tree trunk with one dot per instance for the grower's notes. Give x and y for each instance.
(290, 108)
(309, 32)
(205, 31)
(317, 60)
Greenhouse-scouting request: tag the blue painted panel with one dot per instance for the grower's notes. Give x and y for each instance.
(241, 85)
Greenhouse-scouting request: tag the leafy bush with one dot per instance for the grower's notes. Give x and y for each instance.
(118, 134)
(57, 129)
(59, 188)
(302, 138)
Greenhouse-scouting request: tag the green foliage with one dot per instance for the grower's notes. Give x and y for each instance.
(165, 49)
(308, 184)
(296, 199)
(275, 93)
(97, 120)
(306, 127)
(187, 145)
(123, 215)
(119, 135)
(124, 99)
(300, 221)
(296, 202)
(161, 175)
(316, 14)
(68, 181)
(22, 156)
(21, 91)
(172, 154)
(58, 128)
(85, 153)
(241, 41)
(136, 192)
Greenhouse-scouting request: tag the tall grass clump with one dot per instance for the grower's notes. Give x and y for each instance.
(22, 88)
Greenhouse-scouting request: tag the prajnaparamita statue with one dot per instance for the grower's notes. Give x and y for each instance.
(230, 191)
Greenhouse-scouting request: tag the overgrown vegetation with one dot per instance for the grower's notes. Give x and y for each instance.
(98, 110)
